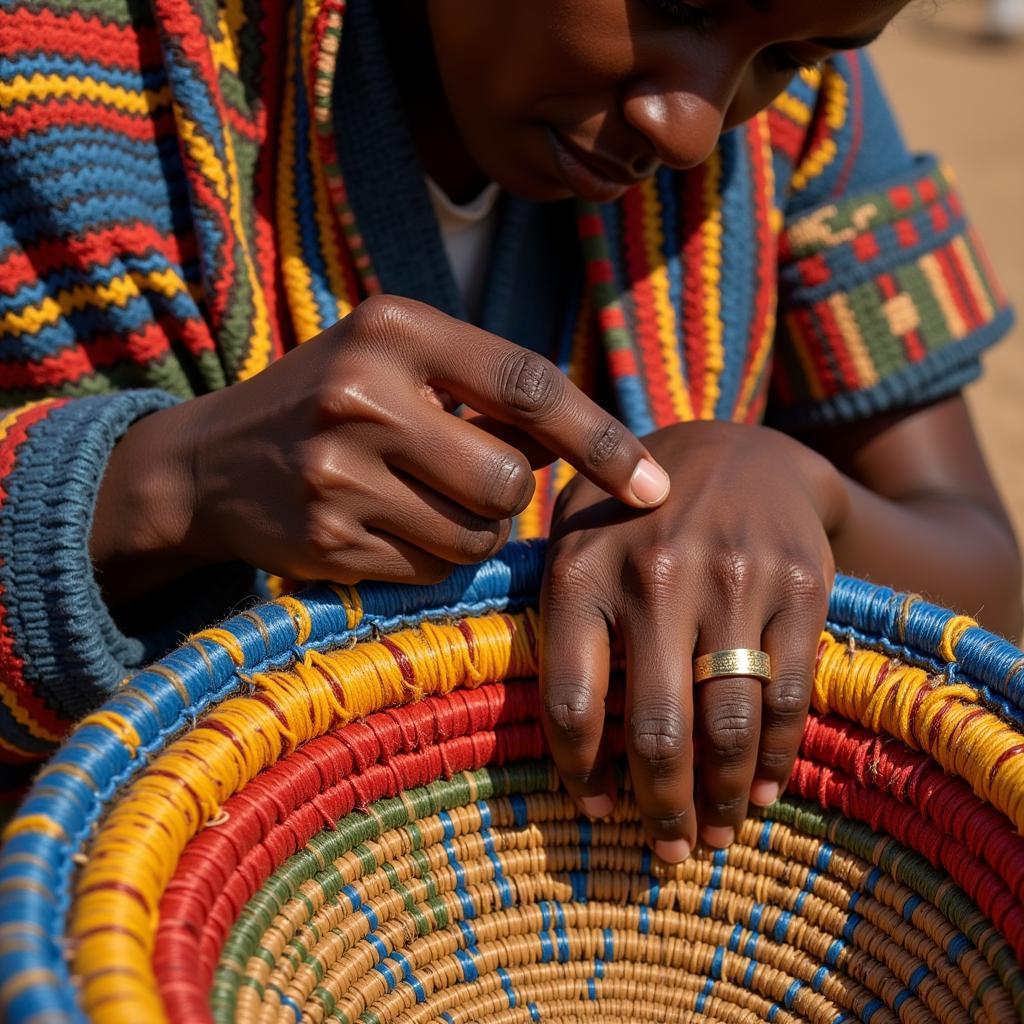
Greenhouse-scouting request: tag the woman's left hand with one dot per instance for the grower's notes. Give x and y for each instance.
(738, 556)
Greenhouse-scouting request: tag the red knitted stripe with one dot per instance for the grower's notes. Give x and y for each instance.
(694, 292)
(855, 109)
(73, 35)
(22, 120)
(953, 275)
(764, 286)
(644, 317)
(85, 358)
(912, 343)
(787, 136)
(837, 347)
(272, 37)
(11, 665)
(90, 251)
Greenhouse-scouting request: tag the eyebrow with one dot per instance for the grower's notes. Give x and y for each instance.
(825, 42)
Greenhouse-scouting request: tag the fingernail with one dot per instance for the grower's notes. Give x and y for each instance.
(649, 482)
(672, 851)
(764, 793)
(719, 836)
(597, 806)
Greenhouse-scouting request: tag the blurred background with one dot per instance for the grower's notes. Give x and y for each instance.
(959, 91)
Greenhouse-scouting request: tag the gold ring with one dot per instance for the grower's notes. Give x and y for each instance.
(739, 661)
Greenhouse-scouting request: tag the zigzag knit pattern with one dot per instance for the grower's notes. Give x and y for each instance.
(174, 216)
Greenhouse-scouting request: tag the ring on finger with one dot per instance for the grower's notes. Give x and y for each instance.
(736, 661)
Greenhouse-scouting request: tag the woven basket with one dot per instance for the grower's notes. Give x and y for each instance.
(338, 807)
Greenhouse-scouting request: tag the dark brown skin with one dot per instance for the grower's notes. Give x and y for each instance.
(330, 462)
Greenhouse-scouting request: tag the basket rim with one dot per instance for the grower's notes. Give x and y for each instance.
(160, 701)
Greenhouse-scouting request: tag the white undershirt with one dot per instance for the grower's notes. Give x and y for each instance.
(467, 232)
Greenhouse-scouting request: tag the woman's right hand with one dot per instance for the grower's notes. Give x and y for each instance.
(342, 460)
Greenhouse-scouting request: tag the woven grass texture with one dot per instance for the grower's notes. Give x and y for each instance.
(338, 806)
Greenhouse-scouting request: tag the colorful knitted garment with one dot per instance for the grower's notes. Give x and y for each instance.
(187, 189)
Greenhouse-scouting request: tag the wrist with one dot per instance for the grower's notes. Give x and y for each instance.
(145, 503)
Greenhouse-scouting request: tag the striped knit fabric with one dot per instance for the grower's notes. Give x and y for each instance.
(173, 217)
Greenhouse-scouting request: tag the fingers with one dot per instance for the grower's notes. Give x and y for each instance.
(574, 664)
(791, 640)
(519, 387)
(431, 522)
(659, 707)
(468, 465)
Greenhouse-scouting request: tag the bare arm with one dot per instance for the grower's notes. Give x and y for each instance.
(923, 512)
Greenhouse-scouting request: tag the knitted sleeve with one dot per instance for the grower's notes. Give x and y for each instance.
(885, 295)
(61, 650)
(103, 319)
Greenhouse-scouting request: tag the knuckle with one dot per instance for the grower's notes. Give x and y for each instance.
(349, 400)
(656, 571)
(379, 317)
(570, 712)
(658, 738)
(803, 580)
(530, 383)
(569, 575)
(731, 735)
(732, 571)
(604, 444)
(325, 538)
(788, 699)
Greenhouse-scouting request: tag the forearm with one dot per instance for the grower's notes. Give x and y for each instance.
(947, 548)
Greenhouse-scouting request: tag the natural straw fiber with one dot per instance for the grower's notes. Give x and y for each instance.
(338, 807)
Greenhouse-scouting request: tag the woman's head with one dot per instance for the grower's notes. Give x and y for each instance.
(558, 97)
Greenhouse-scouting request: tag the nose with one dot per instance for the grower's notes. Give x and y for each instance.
(681, 126)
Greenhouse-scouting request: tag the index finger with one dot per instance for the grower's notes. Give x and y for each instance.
(520, 387)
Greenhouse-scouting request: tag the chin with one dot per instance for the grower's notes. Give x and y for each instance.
(515, 168)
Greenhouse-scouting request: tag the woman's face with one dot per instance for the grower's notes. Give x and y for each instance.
(554, 98)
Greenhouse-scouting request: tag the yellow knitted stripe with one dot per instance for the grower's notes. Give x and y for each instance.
(529, 522)
(846, 320)
(116, 292)
(224, 49)
(836, 101)
(225, 179)
(761, 138)
(796, 110)
(969, 269)
(711, 275)
(947, 722)
(9, 698)
(673, 373)
(138, 846)
(40, 87)
(955, 323)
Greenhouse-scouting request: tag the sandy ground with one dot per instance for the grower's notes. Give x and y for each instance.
(964, 99)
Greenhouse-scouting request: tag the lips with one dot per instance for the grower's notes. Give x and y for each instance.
(588, 175)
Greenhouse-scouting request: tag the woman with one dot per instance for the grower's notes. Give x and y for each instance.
(707, 219)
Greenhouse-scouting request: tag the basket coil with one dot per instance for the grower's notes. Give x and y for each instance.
(339, 807)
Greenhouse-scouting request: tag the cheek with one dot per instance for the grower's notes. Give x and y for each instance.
(528, 61)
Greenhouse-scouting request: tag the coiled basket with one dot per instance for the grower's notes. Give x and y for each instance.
(338, 807)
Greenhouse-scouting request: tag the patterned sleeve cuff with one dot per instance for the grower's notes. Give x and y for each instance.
(885, 301)
(61, 650)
